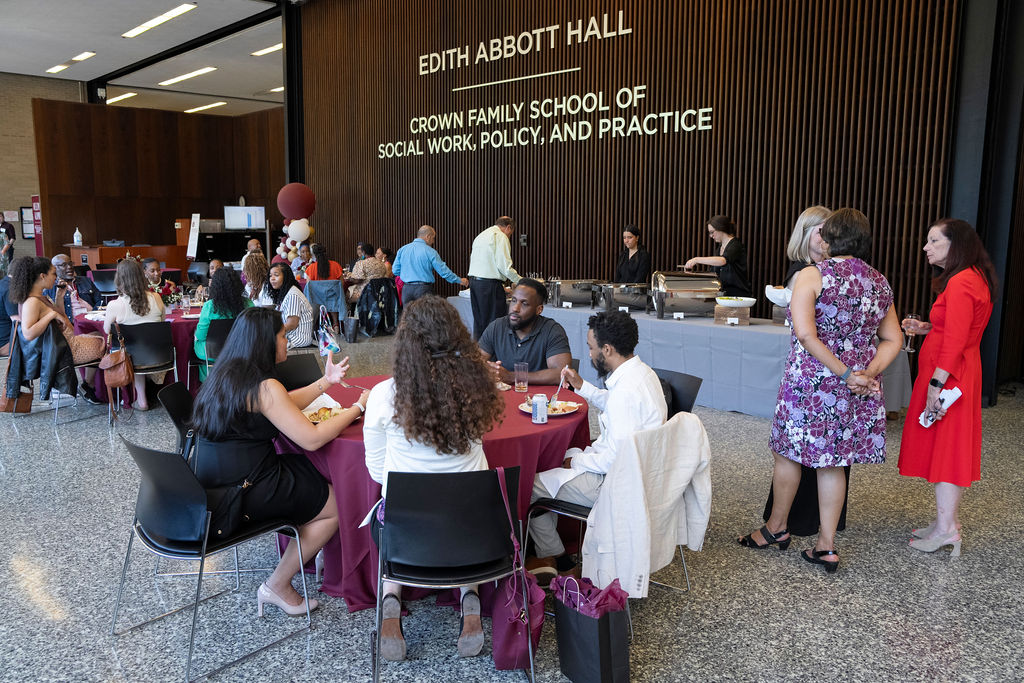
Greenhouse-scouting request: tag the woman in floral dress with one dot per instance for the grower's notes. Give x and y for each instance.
(829, 412)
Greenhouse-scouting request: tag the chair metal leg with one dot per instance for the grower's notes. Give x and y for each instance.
(237, 581)
(629, 618)
(375, 650)
(124, 574)
(686, 574)
(526, 606)
(195, 609)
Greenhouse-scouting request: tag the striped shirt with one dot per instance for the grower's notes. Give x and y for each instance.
(296, 304)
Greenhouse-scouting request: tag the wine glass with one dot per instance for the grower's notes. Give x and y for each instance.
(910, 331)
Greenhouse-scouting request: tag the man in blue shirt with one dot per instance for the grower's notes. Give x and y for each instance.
(76, 293)
(416, 263)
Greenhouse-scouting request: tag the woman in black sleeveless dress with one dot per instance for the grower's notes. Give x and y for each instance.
(239, 412)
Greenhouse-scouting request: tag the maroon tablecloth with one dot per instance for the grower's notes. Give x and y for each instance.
(183, 332)
(165, 271)
(350, 558)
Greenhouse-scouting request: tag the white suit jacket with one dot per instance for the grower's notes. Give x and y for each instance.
(656, 496)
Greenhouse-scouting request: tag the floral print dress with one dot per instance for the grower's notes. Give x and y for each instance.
(818, 421)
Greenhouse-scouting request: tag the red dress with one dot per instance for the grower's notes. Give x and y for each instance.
(950, 450)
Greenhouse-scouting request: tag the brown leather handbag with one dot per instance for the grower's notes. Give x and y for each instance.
(116, 365)
(22, 403)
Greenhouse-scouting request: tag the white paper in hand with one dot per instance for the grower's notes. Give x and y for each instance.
(321, 401)
(947, 397)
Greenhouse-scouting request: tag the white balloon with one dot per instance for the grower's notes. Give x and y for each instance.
(299, 230)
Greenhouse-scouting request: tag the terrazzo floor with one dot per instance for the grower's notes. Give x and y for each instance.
(67, 495)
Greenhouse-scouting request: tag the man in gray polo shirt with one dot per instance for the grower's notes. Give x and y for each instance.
(524, 336)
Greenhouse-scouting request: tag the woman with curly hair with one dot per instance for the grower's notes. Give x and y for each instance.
(257, 274)
(227, 301)
(419, 421)
(136, 303)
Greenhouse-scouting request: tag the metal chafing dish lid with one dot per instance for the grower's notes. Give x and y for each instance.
(576, 284)
(682, 281)
(627, 287)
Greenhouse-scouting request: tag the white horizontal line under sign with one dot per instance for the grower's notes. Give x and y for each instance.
(518, 78)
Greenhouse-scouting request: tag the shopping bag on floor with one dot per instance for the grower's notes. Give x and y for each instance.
(325, 335)
(591, 650)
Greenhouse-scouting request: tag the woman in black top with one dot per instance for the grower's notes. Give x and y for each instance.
(634, 264)
(239, 412)
(731, 263)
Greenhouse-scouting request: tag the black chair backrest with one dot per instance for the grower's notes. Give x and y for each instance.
(149, 344)
(216, 335)
(172, 502)
(680, 390)
(104, 281)
(174, 276)
(299, 370)
(106, 266)
(82, 270)
(448, 520)
(177, 400)
(574, 363)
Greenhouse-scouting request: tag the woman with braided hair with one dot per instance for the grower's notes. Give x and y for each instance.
(420, 421)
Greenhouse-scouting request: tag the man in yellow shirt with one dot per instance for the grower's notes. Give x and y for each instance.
(490, 265)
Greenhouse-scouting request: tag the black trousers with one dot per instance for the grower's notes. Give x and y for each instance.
(414, 290)
(488, 300)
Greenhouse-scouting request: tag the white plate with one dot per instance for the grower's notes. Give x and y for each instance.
(736, 301)
(568, 408)
(95, 317)
(779, 297)
(191, 316)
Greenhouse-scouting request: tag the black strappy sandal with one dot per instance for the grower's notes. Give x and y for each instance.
(770, 539)
(813, 556)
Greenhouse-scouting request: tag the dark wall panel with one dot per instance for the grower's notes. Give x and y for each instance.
(118, 172)
(837, 102)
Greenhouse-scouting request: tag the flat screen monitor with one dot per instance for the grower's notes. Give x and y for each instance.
(244, 218)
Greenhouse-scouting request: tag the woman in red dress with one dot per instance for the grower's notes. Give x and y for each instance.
(948, 453)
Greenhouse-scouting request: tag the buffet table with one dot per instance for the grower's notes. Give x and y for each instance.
(741, 365)
(350, 557)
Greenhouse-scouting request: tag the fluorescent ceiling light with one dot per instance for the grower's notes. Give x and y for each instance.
(268, 50)
(55, 69)
(277, 89)
(82, 57)
(156, 21)
(198, 72)
(121, 97)
(205, 106)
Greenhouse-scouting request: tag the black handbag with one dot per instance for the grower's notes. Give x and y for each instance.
(225, 502)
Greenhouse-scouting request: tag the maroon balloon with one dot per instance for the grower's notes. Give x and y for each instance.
(295, 200)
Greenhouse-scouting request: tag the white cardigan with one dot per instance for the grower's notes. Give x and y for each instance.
(656, 496)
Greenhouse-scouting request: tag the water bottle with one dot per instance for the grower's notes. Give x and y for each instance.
(78, 237)
(540, 409)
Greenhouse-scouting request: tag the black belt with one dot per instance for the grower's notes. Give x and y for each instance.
(417, 282)
(485, 279)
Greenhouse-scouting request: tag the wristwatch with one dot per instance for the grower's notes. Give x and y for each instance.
(846, 375)
(936, 383)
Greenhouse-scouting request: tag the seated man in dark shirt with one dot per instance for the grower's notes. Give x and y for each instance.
(524, 336)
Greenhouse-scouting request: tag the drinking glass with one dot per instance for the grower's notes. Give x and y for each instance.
(186, 303)
(910, 332)
(521, 372)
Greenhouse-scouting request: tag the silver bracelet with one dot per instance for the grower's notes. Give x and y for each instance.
(359, 405)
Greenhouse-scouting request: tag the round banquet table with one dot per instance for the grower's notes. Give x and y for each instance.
(350, 557)
(183, 332)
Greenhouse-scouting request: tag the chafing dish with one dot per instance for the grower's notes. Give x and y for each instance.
(632, 294)
(574, 291)
(685, 292)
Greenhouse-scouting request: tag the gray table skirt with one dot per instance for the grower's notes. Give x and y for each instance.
(741, 365)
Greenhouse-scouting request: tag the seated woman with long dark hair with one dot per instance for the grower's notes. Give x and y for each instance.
(227, 301)
(420, 421)
(239, 412)
(296, 312)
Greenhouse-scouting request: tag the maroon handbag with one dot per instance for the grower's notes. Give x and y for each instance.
(508, 614)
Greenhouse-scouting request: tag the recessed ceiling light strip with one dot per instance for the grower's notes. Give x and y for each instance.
(193, 74)
(205, 106)
(156, 21)
(268, 50)
(121, 97)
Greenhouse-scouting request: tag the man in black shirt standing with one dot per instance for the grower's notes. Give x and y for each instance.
(524, 336)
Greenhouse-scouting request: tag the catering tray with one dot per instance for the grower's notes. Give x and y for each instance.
(632, 294)
(572, 291)
(685, 292)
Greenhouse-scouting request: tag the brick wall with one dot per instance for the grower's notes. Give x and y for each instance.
(19, 176)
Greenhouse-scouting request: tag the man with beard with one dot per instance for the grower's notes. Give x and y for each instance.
(524, 336)
(633, 402)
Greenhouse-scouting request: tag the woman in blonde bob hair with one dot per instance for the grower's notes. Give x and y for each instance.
(805, 244)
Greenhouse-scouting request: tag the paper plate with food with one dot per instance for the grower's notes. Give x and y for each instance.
(321, 409)
(778, 295)
(557, 410)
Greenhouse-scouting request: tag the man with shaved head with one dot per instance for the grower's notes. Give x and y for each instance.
(416, 264)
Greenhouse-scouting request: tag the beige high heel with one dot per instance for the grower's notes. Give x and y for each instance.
(265, 594)
(930, 545)
(927, 531)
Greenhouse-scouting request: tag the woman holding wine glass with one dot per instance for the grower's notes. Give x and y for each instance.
(910, 329)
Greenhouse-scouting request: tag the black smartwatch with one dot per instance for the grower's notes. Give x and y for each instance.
(936, 383)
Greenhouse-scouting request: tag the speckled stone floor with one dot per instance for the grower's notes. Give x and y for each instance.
(890, 614)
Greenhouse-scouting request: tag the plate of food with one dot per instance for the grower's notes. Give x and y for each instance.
(321, 414)
(95, 316)
(736, 301)
(560, 408)
(190, 316)
(778, 295)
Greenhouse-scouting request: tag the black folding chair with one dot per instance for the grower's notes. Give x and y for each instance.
(104, 283)
(446, 531)
(177, 400)
(81, 271)
(216, 335)
(682, 390)
(172, 520)
(151, 348)
(299, 370)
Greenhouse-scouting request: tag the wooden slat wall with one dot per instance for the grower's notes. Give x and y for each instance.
(834, 102)
(117, 172)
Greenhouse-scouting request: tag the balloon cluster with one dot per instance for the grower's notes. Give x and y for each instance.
(296, 203)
